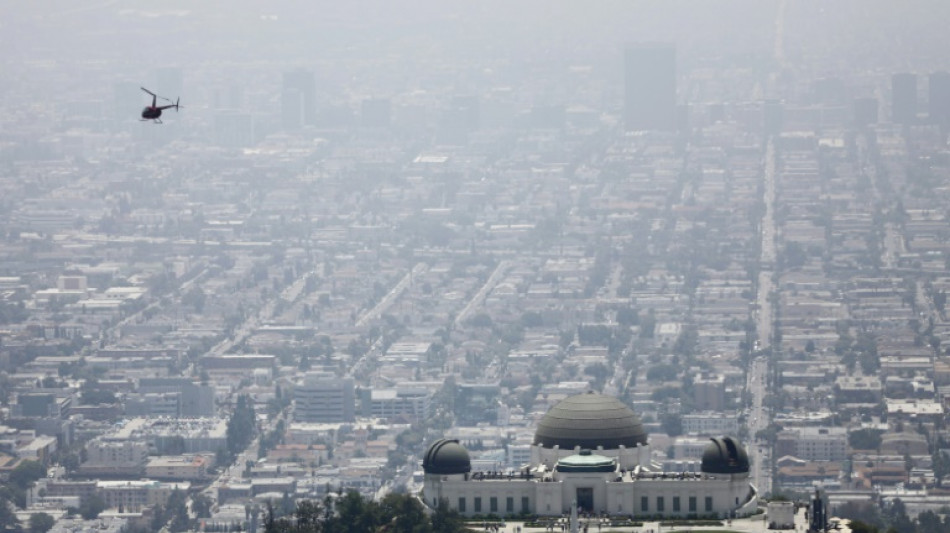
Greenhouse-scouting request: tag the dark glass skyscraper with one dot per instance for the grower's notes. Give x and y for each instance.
(650, 87)
(904, 98)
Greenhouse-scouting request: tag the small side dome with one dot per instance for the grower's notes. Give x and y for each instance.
(446, 457)
(725, 455)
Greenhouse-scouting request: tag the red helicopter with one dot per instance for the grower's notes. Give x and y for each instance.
(153, 112)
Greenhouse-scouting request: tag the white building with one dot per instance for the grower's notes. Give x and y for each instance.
(191, 468)
(685, 447)
(134, 495)
(781, 515)
(323, 397)
(711, 423)
(815, 443)
(411, 403)
(110, 456)
(592, 449)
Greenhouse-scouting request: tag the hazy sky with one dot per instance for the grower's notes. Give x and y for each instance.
(97, 41)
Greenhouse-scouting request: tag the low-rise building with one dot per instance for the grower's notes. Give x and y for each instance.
(135, 495)
(711, 423)
(189, 468)
(813, 443)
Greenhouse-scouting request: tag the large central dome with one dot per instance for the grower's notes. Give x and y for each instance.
(590, 420)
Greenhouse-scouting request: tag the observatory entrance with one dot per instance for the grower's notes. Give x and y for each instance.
(585, 499)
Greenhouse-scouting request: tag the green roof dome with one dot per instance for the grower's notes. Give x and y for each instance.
(446, 457)
(590, 420)
(725, 455)
(586, 462)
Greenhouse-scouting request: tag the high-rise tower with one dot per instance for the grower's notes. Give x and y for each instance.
(904, 98)
(938, 106)
(298, 99)
(649, 87)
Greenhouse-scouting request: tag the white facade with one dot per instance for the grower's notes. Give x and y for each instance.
(689, 447)
(593, 450)
(116, 453)
(822, 444)
(323, 397)
(518, 455)
(710, 424)
(781, 515)
(134, 495)
(388, 404)
(177, 467)
(628, 493)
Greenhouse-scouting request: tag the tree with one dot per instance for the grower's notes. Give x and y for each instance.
(940, 300)
(96, 397)
(532, 319)
(929, 522)
(41, 522)
(404, 514)
(201, 505)
(481, 320)
(627, 316)
(12, 312)
(648, 325)
(865, 516)
(396, 513)
(594, 335)
(359, 515)
(599, 372)
(686, 341)
(664, 393)
(195, 297)
(92, 506)
(174, 446)
(865, 439)
(241, 426)
(445, 519)
(897, 519)
(793, 256)
(662, 372)
(26, 473)
(672, 424)
(70, 461)
(858, 526)
(8, 519)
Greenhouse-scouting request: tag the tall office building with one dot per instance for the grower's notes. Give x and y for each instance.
(650, 87)
(904, 98)
(298, 99)
(938, 106)
(323, 397)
